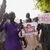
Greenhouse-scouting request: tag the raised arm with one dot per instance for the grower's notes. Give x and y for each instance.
(2, 9)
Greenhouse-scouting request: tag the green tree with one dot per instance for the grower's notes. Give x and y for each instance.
(43, 5)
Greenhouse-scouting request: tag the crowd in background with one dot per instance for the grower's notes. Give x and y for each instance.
(12, 40)
(11, 30)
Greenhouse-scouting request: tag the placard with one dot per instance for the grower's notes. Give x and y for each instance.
(30, 28)
(44, 18)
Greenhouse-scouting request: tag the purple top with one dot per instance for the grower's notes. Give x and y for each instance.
(12, 41)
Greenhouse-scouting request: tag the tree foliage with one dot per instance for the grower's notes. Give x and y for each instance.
(43, 5)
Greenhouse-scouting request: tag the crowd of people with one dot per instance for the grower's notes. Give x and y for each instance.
(12, 39)
(12, 30)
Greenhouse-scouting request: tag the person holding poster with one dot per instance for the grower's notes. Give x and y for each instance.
(44, 25)
(22, 38)
(39, 46)
(30, 33)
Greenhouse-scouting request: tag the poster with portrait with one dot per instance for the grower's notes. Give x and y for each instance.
(30, 28)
